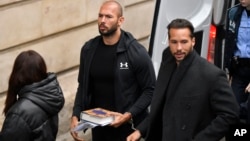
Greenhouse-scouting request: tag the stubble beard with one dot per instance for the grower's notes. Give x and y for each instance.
(109, 32)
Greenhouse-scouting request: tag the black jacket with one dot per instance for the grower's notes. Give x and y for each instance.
(134, 84)
(199, 102)
(232, 27)
(34, 117)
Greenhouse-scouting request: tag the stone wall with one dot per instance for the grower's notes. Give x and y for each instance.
(57, 29)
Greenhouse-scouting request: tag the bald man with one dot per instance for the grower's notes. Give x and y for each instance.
(115, 73)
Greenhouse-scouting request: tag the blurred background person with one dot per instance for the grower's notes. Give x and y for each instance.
(34, 99)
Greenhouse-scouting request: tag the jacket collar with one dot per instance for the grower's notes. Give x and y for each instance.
(172, 75)
(124, 42)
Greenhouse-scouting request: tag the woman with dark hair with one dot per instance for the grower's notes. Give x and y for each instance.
(34, 99)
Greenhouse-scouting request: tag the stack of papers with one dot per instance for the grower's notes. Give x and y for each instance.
(83, 125)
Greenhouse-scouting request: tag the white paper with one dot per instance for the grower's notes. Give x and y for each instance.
(84, 125)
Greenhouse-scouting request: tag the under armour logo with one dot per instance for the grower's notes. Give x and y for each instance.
(124, 65)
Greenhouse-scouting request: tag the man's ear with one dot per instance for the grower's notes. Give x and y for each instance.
(120, 20)
(193, 41)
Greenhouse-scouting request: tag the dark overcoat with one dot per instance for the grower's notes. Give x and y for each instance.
(198, 100)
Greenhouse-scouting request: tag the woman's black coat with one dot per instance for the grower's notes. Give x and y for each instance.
(34, 117)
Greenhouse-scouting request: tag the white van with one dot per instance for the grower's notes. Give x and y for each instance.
(208, 18)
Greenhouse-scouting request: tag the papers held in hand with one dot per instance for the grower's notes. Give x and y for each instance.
(83, 126)
(97, 116)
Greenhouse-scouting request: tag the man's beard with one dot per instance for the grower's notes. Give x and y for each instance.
(110, 32)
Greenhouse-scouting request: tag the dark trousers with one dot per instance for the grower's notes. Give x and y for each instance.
(108, 133)
(240, 80)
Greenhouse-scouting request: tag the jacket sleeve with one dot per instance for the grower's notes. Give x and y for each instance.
(78, 104)
(145, 76)
(227, 54)
(15, 129)
(224, 107)
(232, 25)
(143, 126)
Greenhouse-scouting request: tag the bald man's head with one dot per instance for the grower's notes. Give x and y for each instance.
(115, 4)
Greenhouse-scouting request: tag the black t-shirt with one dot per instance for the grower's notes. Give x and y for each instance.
(102, 76)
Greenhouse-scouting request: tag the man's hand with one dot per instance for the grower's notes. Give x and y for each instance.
(135, 136)
(120, 119)
(74, 123)
(247, 90)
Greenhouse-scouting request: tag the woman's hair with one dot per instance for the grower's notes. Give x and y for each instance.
(29, 67)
